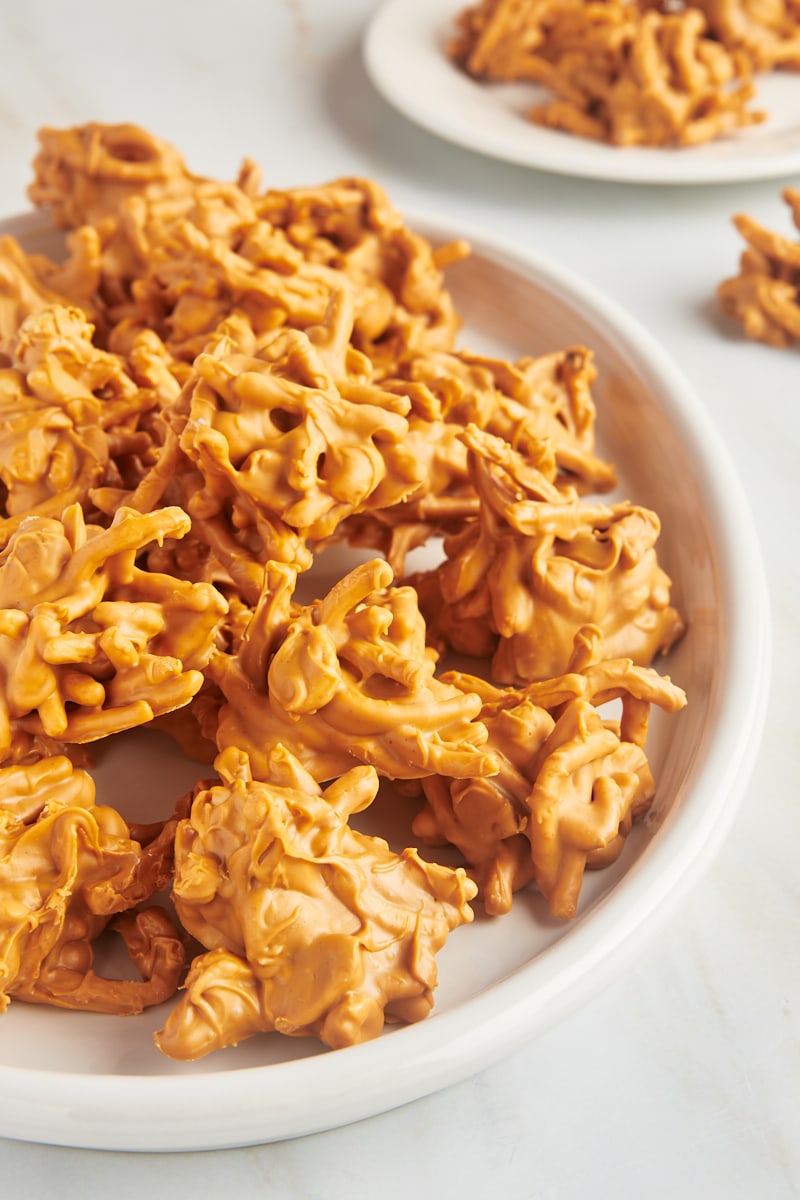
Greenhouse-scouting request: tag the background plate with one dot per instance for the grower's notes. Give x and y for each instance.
(405, 59)
(96, 1081)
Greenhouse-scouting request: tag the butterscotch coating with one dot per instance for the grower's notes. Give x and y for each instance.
(395, 532)
(623, 73)
(527, 403)
(54, 348)
(666, 82)
(182, 254)
(90, 644)
(570, 782)
(767, 33)
(47, 459)
(586, 795)
(245, 550)
(30, 282)
(763, 296)
(272, 433)
(539, 563)
(141, 454)
(161, 265)
(347, 679)
(496, 39)
(591, 787)
(543, 398)
(350, 226)
(311, 927)
(67, 865)
(439, 504)
(149, 363)
(76, 420)
(192, 280)
(229, 548)
(486, 818)
(178, 253)
(21, 293)
(83, 174)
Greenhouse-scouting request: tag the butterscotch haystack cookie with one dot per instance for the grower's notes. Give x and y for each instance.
(620, 72)
(30, 282)
(177, 253)
(766, 32)
(274, 431)
(73, 417)
(67, 866)
(85, 173)
(91, 644)
(347, 679)
(571, 781)
(537, 564)
(763, 297)
(313, 928)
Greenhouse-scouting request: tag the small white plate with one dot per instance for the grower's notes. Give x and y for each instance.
(404, 53)
(96, 1081)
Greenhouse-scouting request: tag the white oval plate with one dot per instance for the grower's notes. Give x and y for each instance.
(405, 59)
(96, 1081)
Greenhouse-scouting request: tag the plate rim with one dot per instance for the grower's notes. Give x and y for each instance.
(569, 155)
(253, 1105)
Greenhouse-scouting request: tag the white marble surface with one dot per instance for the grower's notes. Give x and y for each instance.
(683, 1077)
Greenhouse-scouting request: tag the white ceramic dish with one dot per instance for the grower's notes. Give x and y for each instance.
(404, 56)
(96, 1081)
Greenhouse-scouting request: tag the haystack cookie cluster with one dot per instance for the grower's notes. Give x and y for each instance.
(632, 72)
(214, 386)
